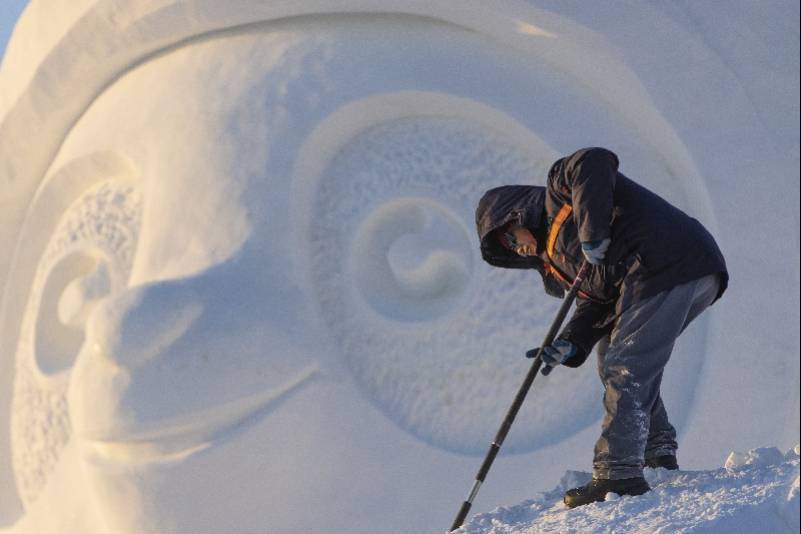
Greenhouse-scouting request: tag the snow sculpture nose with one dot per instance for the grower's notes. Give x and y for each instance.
(126, 338)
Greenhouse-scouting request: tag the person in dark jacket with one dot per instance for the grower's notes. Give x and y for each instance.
(653, 270)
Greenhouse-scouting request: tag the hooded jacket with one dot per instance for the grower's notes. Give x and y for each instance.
(654, 245)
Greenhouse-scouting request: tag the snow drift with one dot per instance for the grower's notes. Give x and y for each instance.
(754, 492)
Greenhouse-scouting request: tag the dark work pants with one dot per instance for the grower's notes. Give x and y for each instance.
(630, 364)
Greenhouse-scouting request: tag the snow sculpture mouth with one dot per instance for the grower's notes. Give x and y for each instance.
(185, 435)
(412, 259)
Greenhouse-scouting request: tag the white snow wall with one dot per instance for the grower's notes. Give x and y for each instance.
(285, 191)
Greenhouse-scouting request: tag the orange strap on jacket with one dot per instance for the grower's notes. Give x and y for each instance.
(556, 225)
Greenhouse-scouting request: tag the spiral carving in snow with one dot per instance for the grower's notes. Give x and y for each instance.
(432, 334)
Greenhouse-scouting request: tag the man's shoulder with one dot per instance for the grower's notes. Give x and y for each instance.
(593, 153)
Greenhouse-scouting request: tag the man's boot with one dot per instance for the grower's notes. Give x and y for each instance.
(597, 489)
(667, 461)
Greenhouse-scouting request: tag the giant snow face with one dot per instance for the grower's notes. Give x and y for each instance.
(266, 230)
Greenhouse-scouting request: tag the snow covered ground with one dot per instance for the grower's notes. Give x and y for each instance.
(753, 492)
(242, 291)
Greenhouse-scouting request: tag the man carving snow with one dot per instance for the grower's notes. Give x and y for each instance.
(653, 270)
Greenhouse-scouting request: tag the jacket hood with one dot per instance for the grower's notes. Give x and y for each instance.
(523, 204)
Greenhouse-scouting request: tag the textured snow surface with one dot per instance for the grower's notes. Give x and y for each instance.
(756, 492)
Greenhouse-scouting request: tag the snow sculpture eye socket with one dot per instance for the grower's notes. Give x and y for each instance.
(77, 255)
(412, 258)
(73, 286)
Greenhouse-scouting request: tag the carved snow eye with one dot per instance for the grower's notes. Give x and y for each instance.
(87, 255)
(385, 188)
(72, 287)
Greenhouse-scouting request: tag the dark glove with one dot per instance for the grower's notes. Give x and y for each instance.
(532, 353)
(555, 354)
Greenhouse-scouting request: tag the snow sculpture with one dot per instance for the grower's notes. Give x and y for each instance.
(244, 287)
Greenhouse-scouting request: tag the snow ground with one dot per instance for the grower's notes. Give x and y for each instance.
(754, 492)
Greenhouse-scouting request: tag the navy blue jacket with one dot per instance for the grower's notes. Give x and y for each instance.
(654, 245)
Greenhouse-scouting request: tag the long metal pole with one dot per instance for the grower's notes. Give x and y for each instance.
(520, 397)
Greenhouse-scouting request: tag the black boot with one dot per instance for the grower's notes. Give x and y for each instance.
(597, 489)
(668, 461)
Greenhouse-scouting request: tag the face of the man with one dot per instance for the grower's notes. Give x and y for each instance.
(519, 240)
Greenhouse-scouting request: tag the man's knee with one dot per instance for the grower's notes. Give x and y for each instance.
(616, 374)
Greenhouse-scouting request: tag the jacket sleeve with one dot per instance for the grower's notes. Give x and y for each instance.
(590, 176)
(586, 327)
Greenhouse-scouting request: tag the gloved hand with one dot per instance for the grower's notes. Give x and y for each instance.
(595, 251)
(555, 354)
